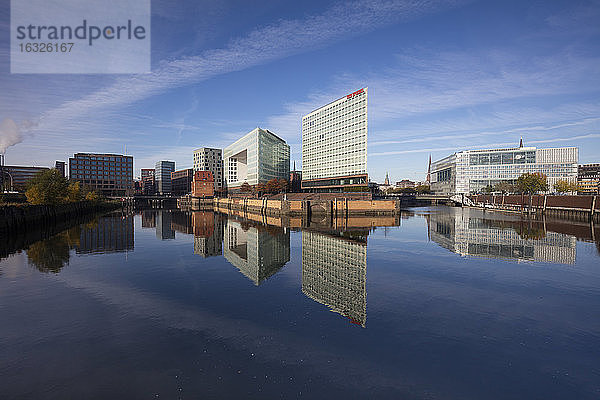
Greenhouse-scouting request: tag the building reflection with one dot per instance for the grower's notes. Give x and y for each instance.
(107, 234)
(258, 251)
(111, 233)
(208, 233)
(334, 271)
(473, 232)
(164, 230)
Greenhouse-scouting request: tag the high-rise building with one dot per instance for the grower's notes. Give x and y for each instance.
(256, 158)
(471, 171)
(334, 145)
(207, 159)
(181, 181)
(162, 176)
(111, 174)
(588, 178)
(148, 182)
(60, 166)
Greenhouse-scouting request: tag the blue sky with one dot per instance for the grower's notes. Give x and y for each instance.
(442, 76)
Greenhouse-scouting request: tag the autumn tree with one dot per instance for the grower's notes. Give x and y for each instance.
(246, 187)
(532, 183)
(47, 187)
(565, 186)
(504, 187)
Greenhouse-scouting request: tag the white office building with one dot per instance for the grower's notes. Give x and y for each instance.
(334, 145)
(207, 159)
(472, 170)
(256, 158)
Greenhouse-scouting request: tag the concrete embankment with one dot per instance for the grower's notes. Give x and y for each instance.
(25, 217)
(569, 207)
(334, 207)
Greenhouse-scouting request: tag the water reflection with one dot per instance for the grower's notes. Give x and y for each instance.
(334, 272)
(208, 233)
(473, 232)
(109, 233)
(258, 251)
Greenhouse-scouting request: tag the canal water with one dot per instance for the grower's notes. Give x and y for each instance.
(440, 303)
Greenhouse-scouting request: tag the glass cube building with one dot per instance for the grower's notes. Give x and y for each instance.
(256, 158)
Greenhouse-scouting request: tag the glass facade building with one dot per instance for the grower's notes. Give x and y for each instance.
(111, 174)
(472, 170)
(334, 144)
(256, 158)
(162, 176)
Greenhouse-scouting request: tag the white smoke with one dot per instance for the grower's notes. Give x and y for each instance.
(11, 133)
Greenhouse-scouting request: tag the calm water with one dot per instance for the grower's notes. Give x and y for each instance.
(441, 304)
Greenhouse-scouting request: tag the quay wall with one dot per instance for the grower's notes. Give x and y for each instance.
(26, 217)
(573, 207)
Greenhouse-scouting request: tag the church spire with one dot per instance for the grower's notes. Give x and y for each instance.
(429, 170)
(521, 142)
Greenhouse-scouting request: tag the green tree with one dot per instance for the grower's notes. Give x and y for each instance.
(532, 183)
(564, 186)
(504, 187)
(488, 189)
(47, 187)
(423, 189)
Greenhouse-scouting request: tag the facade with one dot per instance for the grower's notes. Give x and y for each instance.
(16, 177)
(60, 166)
(110, 174)
(471, 171)
(334, 145)
(469, 232)
(256, 158)
(162, 176)
(207, 159)
(405, 184)
(588, 178)
(181, 181)
(257, 253)
(203, 184)
(339, 282)
(148, 182)
(295, 181)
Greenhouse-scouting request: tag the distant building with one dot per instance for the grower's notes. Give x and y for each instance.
(181, 181)
(162, 176)
(203, 184)
(334, 145)
(110, 174)
(208, 159)
(405, 184)
(256, 158)
(148, 182)
(295, 182)
(588, 178)
(16, 177)
(471, 171)
(60, 166)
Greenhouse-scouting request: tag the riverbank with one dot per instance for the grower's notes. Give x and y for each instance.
(24, 217)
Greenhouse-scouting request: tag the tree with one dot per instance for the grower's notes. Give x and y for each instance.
(564, 186)
(532, 183)
(272, 185)
(283, 185)
(423, 189)
(488, 189)
(47, 187)
(260, 188)
(504, 187)
(246, 187)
